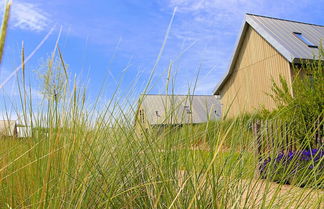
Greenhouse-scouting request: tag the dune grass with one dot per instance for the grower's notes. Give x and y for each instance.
(82, 163)
(112, 167)
(89, 156)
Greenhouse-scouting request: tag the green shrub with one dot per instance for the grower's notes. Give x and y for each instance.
(302, 108)
(300, 111)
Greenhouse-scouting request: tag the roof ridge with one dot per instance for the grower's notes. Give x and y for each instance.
(273, 37)
(176, 95)
(275, 18)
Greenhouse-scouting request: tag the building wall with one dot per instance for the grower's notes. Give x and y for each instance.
(257, 64)
(141, 123)
(8, 128)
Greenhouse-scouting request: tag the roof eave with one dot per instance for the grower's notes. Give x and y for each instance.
(238, 45)
(259, 29)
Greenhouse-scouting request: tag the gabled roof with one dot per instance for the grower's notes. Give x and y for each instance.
(180, 109)
(279, 33)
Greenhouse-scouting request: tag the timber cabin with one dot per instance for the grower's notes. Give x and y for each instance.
(176, 110)
(266, 49)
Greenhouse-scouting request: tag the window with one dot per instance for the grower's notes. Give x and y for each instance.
(305, 40)
(142, 119)
(311, 80)
(187, 108)
(217, 114)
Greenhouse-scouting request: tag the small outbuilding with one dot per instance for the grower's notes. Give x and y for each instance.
(24, 131)
(163, 110)
(8, 128)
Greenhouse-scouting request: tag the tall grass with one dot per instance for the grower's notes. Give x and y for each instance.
(89, 156)
(4, 26)
(83, 157)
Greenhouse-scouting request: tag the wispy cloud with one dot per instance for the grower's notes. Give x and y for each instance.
(214, 25)
(28, 16)
(232, 6)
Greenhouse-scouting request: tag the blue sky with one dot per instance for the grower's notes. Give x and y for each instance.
(103, 37)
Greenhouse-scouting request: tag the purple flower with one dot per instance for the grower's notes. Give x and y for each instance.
(290, 155)
(307, 153)
(301, 159)
(280, 156)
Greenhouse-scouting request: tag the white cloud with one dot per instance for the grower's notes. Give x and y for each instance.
(229, 6)
(28, 16)
(13, 92)
(214, 25)
(10, 90)
(229, 11)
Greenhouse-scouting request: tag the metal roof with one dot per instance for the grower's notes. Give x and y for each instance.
(180, 109)
(280, 34)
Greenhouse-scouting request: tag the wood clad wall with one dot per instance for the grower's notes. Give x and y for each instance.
(141, 125)
(246, 89)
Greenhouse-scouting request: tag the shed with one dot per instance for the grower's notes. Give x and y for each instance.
(8, 128)
(160, 110)
(24, 131)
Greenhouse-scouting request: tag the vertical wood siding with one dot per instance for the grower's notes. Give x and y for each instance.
(141, 123)
(257, 64)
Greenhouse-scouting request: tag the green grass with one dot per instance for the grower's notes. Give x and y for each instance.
(105, 167)
(89, 156)
(94, 164)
